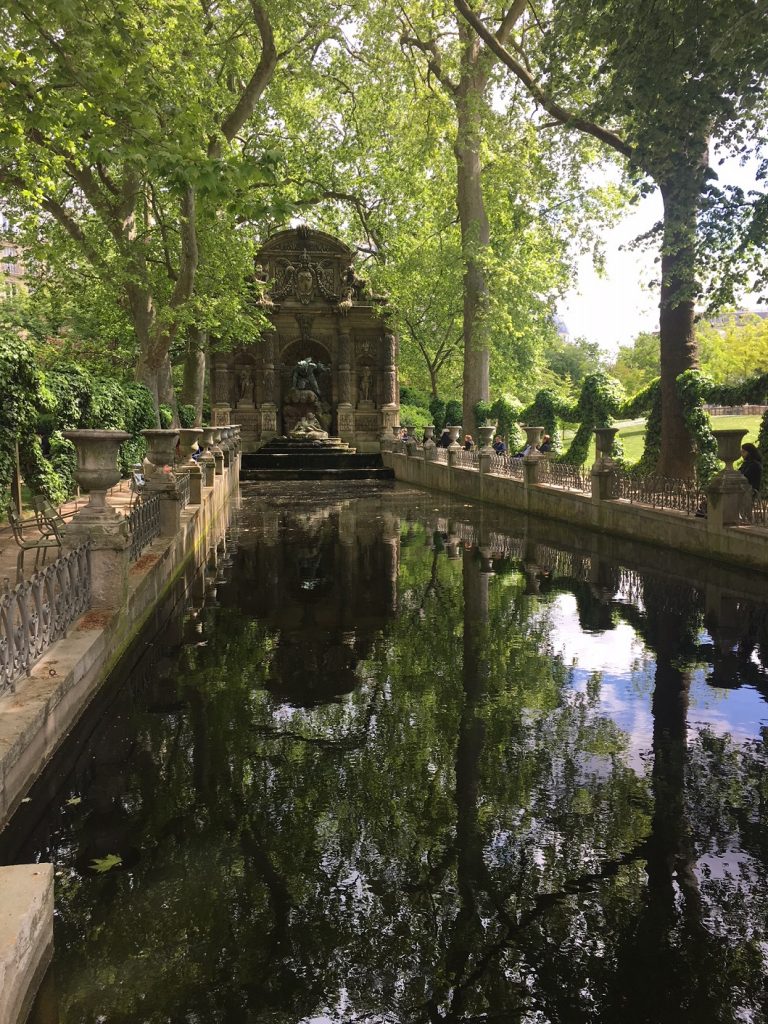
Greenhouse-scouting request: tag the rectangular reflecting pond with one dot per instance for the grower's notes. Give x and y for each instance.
(399, 760)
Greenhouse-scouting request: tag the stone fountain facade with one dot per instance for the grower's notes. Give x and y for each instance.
(328, 351)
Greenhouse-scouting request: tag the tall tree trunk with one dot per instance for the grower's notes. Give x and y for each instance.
(473, 220)
(155, 340)
(679, 349)
(433, 380)
(193, 388)
(165, 389)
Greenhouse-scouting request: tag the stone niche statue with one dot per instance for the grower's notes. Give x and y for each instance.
(309, 428)
(365, 386)
(245, 387)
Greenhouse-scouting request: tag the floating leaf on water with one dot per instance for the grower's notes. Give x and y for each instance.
(74, 801)
(102, 864)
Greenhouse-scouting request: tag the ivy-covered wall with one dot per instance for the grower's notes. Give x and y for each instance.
(602, 401)
(38, 405)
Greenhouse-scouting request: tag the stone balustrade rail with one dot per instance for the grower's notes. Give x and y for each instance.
(38, 611)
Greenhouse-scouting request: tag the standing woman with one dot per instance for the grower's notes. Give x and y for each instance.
(752, 469)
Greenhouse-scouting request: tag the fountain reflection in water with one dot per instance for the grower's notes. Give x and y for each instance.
(396, 763)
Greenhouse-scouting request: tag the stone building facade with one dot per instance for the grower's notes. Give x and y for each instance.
(328, 350)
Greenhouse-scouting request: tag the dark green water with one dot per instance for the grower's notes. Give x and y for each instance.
(410, 765)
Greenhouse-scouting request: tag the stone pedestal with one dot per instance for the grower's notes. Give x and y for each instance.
(220, 414)
(268, 421)
(602, 482)
(531, 464)
(345, 422)
(110, 551)
(728, 492)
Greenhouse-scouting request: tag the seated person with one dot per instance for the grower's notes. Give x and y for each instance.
(498, 446)
(445, 438)
(546, 444)
(469, 444)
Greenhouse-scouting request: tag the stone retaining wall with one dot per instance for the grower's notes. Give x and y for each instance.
(742, 546)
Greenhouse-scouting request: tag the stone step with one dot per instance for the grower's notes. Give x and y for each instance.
(367, 473)
(321, 459)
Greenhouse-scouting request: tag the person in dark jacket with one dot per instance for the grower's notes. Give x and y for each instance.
(499, 447)
(751, 466)
(469, 444)
(445, 438)
(546, 444)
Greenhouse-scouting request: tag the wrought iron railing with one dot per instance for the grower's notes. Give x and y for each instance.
(182, 486)
(144, 525)
(40, 610)
(561, 474)
(505, 465)
(441, 455)
(758, 514)
(466, 459)
(659, 492)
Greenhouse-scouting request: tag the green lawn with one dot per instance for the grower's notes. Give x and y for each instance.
(632, 433)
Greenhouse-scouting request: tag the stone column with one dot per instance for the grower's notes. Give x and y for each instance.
(728, 491)
(161, 480)
(271, 397)
(390, 402)
(98, 522)
(346, 398)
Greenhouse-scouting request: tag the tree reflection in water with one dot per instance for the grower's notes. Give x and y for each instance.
(383, 796)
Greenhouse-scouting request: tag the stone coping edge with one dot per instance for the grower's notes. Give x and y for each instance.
(26, 936)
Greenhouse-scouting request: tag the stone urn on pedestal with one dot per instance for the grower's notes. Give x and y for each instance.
(487, 433)
(97, 469)
(454, 435)
(206, 461)
(728, 492)
(99, 524)
(604, 441)
(216, 450)
(161, 449)
(533, 440)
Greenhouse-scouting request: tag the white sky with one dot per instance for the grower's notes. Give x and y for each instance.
(614, 308)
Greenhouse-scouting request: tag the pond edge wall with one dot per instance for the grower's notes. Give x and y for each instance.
(743, 546)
